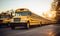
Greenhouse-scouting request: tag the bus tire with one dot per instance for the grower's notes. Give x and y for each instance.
(40, 24)
(8, 25)
(12, 26)
(28, 25)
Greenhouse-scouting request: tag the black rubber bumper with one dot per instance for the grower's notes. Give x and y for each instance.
(18, 24)
(3, 24)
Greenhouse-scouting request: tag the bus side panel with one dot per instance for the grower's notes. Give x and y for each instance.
(34, 20)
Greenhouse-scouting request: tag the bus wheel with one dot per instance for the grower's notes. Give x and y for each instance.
(40, 23)
(8, 25)
(12, 26)
(28, 25)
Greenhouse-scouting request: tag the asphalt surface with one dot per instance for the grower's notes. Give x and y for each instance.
(46, 30)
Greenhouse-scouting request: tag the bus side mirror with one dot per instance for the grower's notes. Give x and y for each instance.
(30, 13)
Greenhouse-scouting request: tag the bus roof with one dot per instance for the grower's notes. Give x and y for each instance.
(4, 13)
(21, 9)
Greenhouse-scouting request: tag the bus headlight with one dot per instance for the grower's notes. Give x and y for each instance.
(11, 20)
(23, 21)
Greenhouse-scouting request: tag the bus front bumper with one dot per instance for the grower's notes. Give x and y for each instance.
(1, 23)
(19, 24)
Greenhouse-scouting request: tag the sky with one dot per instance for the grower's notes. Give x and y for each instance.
(36, 6)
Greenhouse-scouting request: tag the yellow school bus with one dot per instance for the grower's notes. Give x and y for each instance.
(24, 17)
(4, 18)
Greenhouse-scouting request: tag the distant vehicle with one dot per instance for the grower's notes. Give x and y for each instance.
(24, 17)
(4, 18)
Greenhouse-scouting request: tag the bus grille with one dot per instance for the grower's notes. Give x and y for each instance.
(16, 19)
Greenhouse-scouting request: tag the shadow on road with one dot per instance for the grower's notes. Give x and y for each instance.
(23, 28)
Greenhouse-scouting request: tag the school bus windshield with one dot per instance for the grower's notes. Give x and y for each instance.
(5, 16)
(22, 13)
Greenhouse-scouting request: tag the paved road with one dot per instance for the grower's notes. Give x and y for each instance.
(47, 30)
